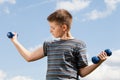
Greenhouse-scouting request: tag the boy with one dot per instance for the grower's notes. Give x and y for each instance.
(66, 56)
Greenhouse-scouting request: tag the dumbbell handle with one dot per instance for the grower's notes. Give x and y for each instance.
(10, 35)
(96, 59)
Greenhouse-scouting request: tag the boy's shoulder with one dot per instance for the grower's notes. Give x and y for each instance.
(71, 41)
(79, 42)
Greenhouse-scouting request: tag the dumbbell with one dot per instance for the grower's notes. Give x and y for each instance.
(10, 35)
(96, 59)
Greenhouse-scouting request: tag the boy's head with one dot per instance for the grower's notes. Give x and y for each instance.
(61, 17)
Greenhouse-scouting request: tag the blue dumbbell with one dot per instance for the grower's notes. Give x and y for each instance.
(10, 35)
(96, 59)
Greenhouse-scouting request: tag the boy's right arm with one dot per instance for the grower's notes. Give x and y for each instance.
(88, 69)
(27, 55)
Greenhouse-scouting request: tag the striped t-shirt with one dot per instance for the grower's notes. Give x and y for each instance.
(64, 57)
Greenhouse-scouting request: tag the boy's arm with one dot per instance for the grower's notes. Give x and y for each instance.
(88, 69)
(27, 55)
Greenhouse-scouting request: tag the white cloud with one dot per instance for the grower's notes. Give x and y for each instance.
(38, 4)
(74, 5)
(111, 5)
(2, 75)
(109, 70)
(21, 78)
(5, 8)
(12, 1)
(8, 1)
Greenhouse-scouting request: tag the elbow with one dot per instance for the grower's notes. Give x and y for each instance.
(82, 75)
(29, 59)
(83, 72)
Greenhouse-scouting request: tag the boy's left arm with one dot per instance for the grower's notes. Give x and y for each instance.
(88, 69)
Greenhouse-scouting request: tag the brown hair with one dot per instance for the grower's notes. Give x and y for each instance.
(61, 17)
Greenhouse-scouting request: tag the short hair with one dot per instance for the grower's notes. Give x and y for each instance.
(61, 16)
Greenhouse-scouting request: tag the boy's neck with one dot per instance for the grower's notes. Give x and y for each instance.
(67, 36)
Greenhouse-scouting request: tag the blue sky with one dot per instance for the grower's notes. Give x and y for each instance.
(94, 21)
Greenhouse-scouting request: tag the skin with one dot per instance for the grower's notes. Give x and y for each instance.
(58, 32)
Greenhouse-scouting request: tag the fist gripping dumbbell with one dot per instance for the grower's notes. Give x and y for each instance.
(96, 59)
(10, 35)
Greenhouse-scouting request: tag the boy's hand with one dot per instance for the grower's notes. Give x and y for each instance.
(15, 36)
(12, 36)
(103, 56)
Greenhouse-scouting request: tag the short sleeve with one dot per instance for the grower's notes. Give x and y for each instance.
(82, 58)
(80, 52)
(45, 48)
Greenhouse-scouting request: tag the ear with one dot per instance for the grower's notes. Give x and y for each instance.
(64, 27)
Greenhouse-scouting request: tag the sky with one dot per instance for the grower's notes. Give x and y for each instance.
(96, 22)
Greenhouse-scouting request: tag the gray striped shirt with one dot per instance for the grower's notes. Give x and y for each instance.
(65, 57)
